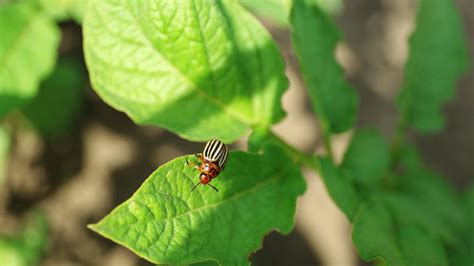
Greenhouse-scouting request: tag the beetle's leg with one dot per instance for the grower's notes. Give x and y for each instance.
(213, 187)
(192, 164)
(195, 186)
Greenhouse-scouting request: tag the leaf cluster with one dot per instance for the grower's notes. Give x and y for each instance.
(213, 59)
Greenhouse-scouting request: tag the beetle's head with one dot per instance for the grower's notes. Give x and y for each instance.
(205, 179)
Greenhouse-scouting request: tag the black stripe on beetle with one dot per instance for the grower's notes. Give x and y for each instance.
(213, 161)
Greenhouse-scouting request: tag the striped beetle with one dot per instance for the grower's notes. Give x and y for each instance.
(213, 161)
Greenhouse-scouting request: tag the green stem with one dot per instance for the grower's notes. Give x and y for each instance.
(398, 140)
(327, 143)
(299, 156)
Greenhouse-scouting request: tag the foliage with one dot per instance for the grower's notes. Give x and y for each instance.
(407, 217)
(209, 69)
(382, 202)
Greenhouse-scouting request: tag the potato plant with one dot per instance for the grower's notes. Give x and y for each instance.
(210, 70)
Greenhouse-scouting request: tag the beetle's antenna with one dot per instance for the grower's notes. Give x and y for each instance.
(195, 186)
(214, 187)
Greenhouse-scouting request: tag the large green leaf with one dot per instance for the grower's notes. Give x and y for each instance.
(314, 38)
(438, 56)
(368, 156)
(340, 186)
(202, 69)
(28, 45)
(4, 149)
(60, 94)
(165, 222)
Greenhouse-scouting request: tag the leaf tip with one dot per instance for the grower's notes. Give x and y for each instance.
(93, 227)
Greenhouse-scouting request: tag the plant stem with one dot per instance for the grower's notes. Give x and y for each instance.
(299, 156)
(327, 144)
(398, 140)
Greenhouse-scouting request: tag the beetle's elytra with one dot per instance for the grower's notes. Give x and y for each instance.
(213, 161)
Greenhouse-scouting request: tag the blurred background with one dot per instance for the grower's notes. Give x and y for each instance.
(62, 175)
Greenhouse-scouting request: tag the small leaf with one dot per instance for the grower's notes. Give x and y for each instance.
(438, 56)
(341, 188)
(4, 150)
(420, 248)
(315, 37)
(164, 222)
(56, 106)
(202, 69)
(375, 235)
(27, 52)
(367, 157)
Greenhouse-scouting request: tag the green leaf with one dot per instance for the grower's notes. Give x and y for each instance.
(410, 210)
(435, 63)
(375, 236)
(368, 156)
(56, 107)
(202, 69)
(315, 37)
(410, 159)
(426, 186)
(164, 222)
(420, 248)
(275, 10)
(27, 52)
(341, 188)
(26, 248)
(4, 150)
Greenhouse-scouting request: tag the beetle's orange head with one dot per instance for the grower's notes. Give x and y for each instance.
(205, 179)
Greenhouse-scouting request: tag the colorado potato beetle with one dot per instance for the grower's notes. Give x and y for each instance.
(213, 161)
